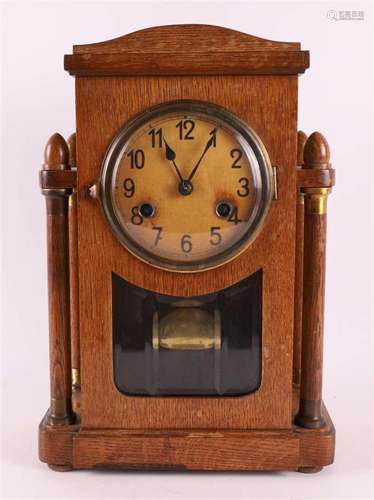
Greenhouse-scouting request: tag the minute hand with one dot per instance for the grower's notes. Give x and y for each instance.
(208, 145)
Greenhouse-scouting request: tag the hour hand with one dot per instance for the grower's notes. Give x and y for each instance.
(170, 155)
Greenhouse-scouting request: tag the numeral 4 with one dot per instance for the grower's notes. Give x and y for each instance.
(234, 216)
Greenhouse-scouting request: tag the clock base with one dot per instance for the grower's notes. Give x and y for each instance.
(297, 449)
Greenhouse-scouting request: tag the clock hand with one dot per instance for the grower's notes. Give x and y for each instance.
(170, 155)
(208, 145)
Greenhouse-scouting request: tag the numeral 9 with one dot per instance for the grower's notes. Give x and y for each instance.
(129, 187)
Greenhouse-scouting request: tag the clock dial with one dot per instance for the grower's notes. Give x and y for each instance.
(186, 186)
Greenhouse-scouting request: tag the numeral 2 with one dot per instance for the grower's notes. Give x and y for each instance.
(236, 155)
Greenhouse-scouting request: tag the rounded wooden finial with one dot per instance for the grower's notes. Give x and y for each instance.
(316, 152)
(72, 149)
(301, 140)
(56, 153)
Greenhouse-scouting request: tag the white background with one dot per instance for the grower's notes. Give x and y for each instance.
(38, 99)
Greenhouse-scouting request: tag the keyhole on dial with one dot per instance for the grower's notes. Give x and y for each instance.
(223, 209)
(146, 210)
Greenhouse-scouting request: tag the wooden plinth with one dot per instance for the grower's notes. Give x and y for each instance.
(69, 447)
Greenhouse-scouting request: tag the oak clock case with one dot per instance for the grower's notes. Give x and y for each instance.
(186, 259)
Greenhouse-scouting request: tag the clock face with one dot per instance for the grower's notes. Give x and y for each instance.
(186, 185)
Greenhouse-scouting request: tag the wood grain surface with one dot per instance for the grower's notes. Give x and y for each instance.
(56, 158)
(187, 50)
(315, 178)
(69, 447)
(314, 275)
(316, 156)
(255, 79)
(57, 179)
(299, 255)
(103, 106)
(189, 63)
(73, 266)
(184, 38)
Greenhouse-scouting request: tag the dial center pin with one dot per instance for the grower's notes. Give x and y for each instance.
(185, 187)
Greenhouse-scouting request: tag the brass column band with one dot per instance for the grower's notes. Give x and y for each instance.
(76, 382)
(59, 409)
(316, 200)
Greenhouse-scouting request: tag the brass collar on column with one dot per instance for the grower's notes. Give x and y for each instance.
(316, 200)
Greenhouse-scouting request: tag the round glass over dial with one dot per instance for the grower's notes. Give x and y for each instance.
(186, 185)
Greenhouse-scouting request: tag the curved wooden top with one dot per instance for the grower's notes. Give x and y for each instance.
(187, 49)
(184, 38)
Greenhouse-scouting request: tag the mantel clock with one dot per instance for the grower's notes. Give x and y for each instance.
(186, 259)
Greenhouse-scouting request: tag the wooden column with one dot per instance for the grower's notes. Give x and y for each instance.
(316, 156)
(73, 267)
(56, 157)
(299, 252)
